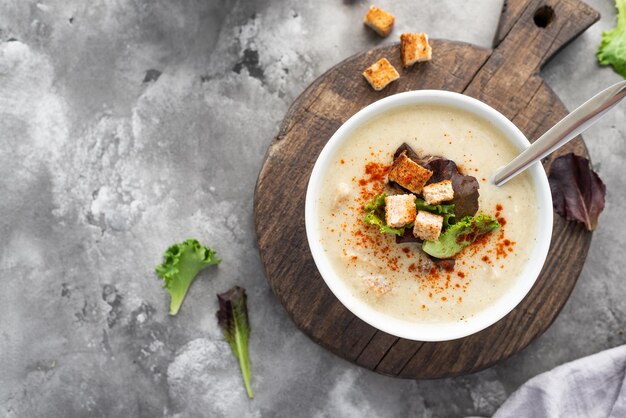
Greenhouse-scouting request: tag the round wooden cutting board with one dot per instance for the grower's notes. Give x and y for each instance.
(507, 78)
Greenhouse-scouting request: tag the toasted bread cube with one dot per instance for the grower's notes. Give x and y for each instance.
(380, 74)
(414, 47)
(378, 284)
(400, 210)
(427, 226)
(436, 193)
(409, 174)
(379, 20)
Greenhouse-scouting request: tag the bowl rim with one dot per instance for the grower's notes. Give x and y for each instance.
(431, 331)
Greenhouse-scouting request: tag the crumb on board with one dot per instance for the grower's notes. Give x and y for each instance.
(414, 47)
(379, 20)
(380, 74)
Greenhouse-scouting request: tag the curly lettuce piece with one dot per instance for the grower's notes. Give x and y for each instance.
(612, 49)
(378, 203)
(375, 215)
(181, 264)
(460, 235)
(374, 219)
(232, 317)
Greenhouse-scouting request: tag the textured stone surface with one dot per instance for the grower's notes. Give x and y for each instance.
(128, 125)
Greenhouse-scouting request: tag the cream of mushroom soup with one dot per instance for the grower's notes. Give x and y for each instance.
(399, 279)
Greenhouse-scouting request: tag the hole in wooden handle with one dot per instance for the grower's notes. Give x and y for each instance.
(543, 16)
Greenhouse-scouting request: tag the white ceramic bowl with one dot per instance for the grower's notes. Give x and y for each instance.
(416, 330)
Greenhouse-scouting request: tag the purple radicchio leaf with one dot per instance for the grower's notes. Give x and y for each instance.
(232, 317)
(577, 191)
(465, 199)
(407, 237)
(409, 152)
(446, 264)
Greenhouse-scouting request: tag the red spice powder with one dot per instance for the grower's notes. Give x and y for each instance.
(480, 243)
(503, 245)
(376, 171)
(501, 219)
(371, 185)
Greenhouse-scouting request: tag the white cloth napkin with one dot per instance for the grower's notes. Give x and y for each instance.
(589, 387)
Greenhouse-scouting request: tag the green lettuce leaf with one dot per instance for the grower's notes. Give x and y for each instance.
(232, 318)
(375, 215)
(181, 264)
(377, 204)
(612, 50)
(460, 235)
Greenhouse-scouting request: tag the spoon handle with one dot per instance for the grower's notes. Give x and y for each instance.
(565, 130)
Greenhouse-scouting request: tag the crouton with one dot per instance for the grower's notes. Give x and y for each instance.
(378, 284)
(380, 74)
(409, 174)
(400, 210)
(414, 47)
(379, 20)
(436, 193)
(427, 226)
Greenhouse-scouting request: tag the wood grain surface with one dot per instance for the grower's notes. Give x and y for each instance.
(507, 78)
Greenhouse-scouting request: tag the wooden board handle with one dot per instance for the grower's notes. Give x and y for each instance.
(529, 33)
(539, 28)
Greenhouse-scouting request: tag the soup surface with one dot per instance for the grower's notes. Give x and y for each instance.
(399, 279)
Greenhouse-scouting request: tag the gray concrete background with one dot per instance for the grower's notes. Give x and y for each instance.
(103, 167)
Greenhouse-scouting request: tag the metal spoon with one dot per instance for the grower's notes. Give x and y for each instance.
(564, 131)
